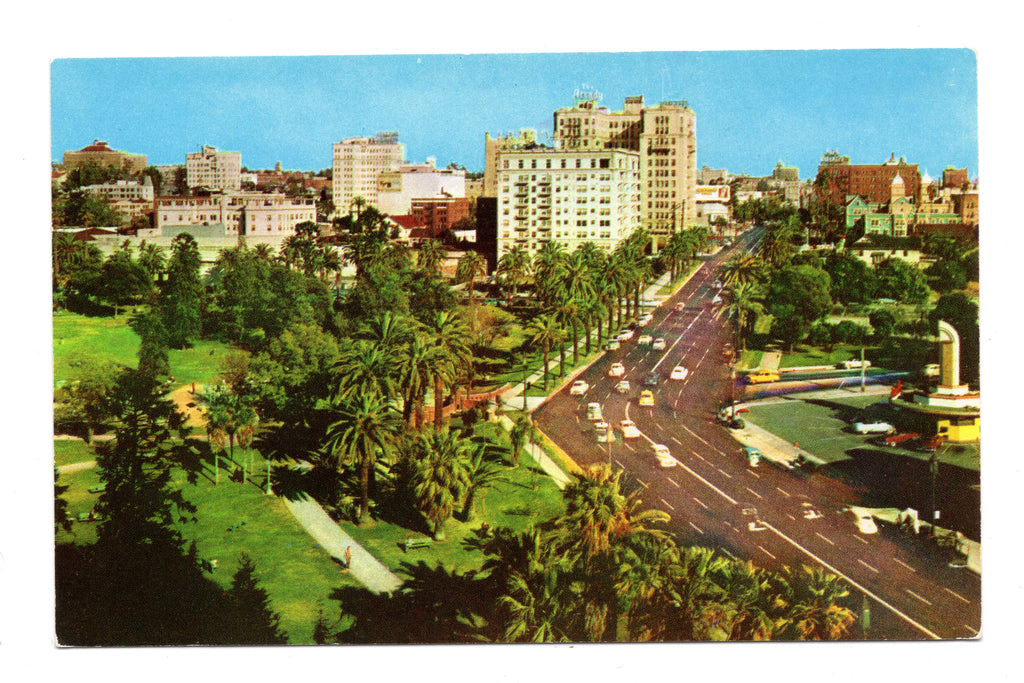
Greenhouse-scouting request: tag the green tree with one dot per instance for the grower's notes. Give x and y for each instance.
(742, 309)
(471, 266)
(545, 331)
(182, 294)
(439, 475)
(451, 339)
(798, 296)
(897, 279)
(853, 281)
(253, 620)
(153, 353)
(946, 276)
(514, 267)
(429, 256)
(123, 280)
(230, 418)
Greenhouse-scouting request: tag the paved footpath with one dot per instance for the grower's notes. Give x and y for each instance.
(364, 567)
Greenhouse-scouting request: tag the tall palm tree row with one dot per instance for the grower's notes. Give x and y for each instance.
(742, 309)
(514, 267)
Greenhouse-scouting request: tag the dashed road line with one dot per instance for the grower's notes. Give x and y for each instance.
(862, 540)
(642, 482)
(827, 540)
(918, 596)
(701, 503)
(621, 466)
(783, 492)
(676, 440)
(668, 504)
(767, 553)
(970, 629)
(898, 561)
(753, 473)
(868, 566)
(791, 516)
(699, 530)
(724, 473)
(957, 595)
(754, 492)
(729, 554)
(673, 481)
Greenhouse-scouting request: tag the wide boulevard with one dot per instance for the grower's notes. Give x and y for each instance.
(760, 514)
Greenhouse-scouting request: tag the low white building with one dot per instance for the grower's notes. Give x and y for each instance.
(241, 213)
(396, 189)
(568, 196)
(712, 203)
(129, 198)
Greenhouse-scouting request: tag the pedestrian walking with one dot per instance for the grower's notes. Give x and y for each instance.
(348, 557)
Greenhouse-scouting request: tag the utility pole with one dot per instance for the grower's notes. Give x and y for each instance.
(862, 369)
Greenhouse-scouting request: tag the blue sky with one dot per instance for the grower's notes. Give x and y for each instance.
(753, 108)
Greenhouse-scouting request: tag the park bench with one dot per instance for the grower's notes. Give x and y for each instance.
(411, 543)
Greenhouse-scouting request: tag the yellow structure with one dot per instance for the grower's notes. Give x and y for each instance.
(953, 409)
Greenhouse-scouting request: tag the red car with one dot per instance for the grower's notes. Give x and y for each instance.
(897, 439)
(929, 444)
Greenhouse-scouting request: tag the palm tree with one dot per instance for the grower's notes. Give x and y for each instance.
(545, 331)
(229, 418)
(429, 254)
(453, 344)
(514, 266)
(365, 367)
(366, 431)
(742, 308)
(152, 259)
(439, 475)
(482, 473)
(568, 314)
(547, 264)
(416, 369)
(471, 266)
(742, 268)
(814, 606)
(522, 433)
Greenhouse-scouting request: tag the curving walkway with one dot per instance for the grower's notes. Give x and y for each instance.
(364, 567)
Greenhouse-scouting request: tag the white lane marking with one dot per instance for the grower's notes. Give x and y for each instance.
(724, 473)
(676, 440)
(767, 553)
(862, 589)
(970, 629)
(783, 492)
(905, 565)
(621, 466)
(827, 540)
(862, 540)
(699, 530)
(754, 474)
(626, 444)
(791, 516)
(673, 481)
(729, 554)
(668, 504)
(957, 595)
(753, 491)
(701, 503)
(681, 336)
(697, 455)
(698, 438)
(918, 596)
(642, 482)
(868, 566)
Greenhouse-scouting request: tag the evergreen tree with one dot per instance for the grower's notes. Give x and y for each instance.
(181, 301)
(252, 622)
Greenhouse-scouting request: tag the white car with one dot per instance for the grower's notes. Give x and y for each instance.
(617, 370)
(594, 412)
(853, 364)
(644, 340)
(645, 320)
(579, 387)
(873, 427)
(622, 387)
(625, 335)
(604, 432)
(863, 520)
(679, 372)
(717, 299)
(629, 430)
(658, 344)
(663, 455)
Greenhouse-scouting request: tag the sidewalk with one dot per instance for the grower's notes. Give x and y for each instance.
(541, 458)
(364, 567)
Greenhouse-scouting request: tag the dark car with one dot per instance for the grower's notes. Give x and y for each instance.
(929, 444)
(897, 439)
(652, 380)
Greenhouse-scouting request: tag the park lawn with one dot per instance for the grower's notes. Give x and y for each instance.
(810, 355)
(70, 451)
(77, 338)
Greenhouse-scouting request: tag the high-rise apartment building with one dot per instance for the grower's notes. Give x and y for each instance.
(664, 136)
(569, 196)
(526, 137)
(214, 170)
(357, 165)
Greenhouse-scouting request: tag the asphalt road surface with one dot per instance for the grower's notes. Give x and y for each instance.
(759, 514)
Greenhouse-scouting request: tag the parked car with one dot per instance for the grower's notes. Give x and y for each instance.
(853, 364)
(863, 520)
(873, 427)
(727, 349)
(679, 372)
(622, 387)
(625, 335)
(717, 299)
(603, 432)
(629, 430)
(663, 455)
(578, 388)
(612, 345)
(617, 370)
(658, 344)
(761, 376)
(647, 398)
(929, 444)
(931, 370)
(644, 340)
(594, 412)
(753, 455)
(898, 438)
(652, 380)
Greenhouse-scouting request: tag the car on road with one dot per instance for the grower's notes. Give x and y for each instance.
(658, 344)
(717, 299)
(679, 307)
(594, 412)
(625, 335)
(647, 398)
(898, 438)
(727, 350)
(873, 427)
(652, 380)
(761, 376)
(679, 372)
(809, 511)
(863, 520)
(645, 320)
(853, 365)
(612, 345)
(644, 340)
(629, 430)
(663, 455)
(753, 455)
(603, 432)
(578, 388)
(622, 387)
(617, 370)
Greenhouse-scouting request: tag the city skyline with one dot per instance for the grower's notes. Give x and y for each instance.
(753, 109)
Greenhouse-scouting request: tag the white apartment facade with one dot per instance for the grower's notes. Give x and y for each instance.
(357, 165)
(664, 135)
(567, 196)
(240, 213)
(214, 170)
(397, 189)
(129, 198)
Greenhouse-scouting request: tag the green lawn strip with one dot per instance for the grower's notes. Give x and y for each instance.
(77, 338)
(80, 500)
(749, 359)
(70, 451)
(810, 355)
(670, 288)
